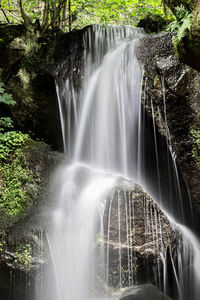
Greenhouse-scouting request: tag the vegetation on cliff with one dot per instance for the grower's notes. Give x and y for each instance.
(20, 169)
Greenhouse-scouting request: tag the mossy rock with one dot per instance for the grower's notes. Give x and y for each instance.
(23, 176)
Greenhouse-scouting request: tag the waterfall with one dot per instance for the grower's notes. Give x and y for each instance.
(96, 208)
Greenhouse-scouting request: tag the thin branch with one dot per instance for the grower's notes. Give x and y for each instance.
(5, 15)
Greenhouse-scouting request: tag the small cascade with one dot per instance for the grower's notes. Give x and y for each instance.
(104, 231)
(173, 155)
(108, 111)
(156, 153)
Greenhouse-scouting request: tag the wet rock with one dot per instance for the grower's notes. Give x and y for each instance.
(137, 233)
(144, 292)
(173, 88)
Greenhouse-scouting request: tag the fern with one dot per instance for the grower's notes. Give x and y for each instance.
(181, 24)
(181, 12)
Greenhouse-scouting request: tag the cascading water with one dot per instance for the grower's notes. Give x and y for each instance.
(101, 128)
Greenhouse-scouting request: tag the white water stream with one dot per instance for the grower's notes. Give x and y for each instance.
(101, 135)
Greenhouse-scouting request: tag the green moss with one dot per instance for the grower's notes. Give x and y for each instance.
(9, 141)
(20, 184)
(195, 132)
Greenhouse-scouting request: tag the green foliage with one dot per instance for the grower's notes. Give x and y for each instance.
(9, 141)
(74, 14)
(120, 12)
(181, 24)
(23, 257)
(5, 97)
(20, 185)
(5, 122)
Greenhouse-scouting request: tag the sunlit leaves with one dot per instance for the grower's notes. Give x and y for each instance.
(84, 12)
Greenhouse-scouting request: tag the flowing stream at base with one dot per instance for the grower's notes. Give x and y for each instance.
(101, 128)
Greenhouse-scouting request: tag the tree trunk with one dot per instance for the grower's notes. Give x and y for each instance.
(26, 19)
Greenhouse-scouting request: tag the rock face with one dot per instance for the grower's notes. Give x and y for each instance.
(173, 90)
(144, 292)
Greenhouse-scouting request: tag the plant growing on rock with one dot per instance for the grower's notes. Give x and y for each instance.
(181, 24)
(19, 184)
(23, 257)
